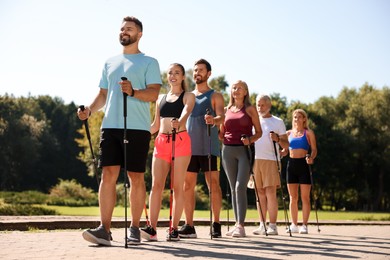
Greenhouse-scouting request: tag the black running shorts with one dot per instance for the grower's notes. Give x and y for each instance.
(112, 148)
(201, 163)
(298, 171)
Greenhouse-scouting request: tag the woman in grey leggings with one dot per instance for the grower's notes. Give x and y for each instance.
(236, 132)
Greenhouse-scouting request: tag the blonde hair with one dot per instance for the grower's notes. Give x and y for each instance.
(304, 114)
(247, 101)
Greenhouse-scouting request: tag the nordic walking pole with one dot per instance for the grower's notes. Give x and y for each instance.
(211, 179)
(82, 108)
(250, 157)
(228, 199)
(315, 199)
(281, 188)
(172, 183)
(125, 141)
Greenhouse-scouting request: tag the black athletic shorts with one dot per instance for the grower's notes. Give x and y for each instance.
(201, 163)
(112, 148)
(298, 171)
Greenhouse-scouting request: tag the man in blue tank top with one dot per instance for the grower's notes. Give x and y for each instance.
(206, 100)
(142, 86)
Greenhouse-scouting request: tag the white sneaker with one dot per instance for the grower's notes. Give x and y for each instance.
(230, 232)
(303, 229)
(259, 231)
(272, 230)
(239, 232)
(293, 228)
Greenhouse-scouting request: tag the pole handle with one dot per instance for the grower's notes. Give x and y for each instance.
(208, 126)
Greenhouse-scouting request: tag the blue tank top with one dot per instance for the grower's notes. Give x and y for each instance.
(298, 142)
(197, 128)
(172, 109)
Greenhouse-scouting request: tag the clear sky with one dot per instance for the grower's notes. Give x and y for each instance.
(301, 49)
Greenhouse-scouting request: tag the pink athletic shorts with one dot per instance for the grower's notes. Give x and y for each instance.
(163, 146)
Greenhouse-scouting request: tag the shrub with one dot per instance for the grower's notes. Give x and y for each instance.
(25, 210)
(25, 197)
(71, 193)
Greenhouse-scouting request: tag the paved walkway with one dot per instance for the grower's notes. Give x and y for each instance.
(333, 242)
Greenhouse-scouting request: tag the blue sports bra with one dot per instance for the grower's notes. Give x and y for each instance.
(298, 142)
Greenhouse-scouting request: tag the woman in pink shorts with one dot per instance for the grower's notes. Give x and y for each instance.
(172, 111)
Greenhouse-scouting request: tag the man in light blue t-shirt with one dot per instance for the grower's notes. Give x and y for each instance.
(142, 86)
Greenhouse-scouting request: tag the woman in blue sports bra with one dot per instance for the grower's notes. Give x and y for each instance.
(301, 139)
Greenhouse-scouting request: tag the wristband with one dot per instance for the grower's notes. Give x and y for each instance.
(132, 93)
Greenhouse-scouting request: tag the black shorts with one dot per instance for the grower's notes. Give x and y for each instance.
(298, 171)
(201, 163)
(112, 148)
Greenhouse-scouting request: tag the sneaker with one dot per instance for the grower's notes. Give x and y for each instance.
(260, 230)
(230, 232)
(187, 231)
(216, 232)
(98, 236)
(239, 232)
(135, 236)
(272, 229)
(303, 229)
(293, 228)
(148, 233)
(173, 236)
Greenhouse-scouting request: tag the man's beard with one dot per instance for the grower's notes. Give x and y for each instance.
(128, 40)
(199, 80)
(264, 113)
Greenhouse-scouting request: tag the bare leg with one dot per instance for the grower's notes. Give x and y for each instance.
(137, 196)
(305, 197)
(272, 203)
(263, 202)
(107, 194)
(293, 191)
(216, 193)
(189, 197)
(181, 164)
(160, 169)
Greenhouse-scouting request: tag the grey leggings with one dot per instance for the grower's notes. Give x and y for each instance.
(236, 165)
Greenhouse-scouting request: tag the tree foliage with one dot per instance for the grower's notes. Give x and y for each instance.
(42, 141)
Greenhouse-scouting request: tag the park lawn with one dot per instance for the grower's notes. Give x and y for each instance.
(251, 214)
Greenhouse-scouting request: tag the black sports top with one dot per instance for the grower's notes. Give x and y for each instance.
(174, 109)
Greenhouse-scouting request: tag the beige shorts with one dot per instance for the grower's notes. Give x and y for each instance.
(266, 173)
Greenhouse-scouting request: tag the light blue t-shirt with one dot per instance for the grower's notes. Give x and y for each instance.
(141, 70)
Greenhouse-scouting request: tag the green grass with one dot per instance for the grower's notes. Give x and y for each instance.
(251, 214)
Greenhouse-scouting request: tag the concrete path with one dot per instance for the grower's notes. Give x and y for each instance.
(333, 242)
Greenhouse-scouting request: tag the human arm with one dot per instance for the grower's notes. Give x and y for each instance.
(98, 103)
(221, 132)
(189, 103)
(313, 147)
(252, 112)
(218, 103)
(149, 94)
(284, 150)
(154, 127)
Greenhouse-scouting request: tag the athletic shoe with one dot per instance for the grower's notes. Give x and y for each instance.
(216, 232)
(148, 233)
(272, 229)
(239, 232)
(293, 228)
(260, 230)
(98, 236)
(135, 236)
(173, 236)
(187, 231)
(230, 232)
(303, 229)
